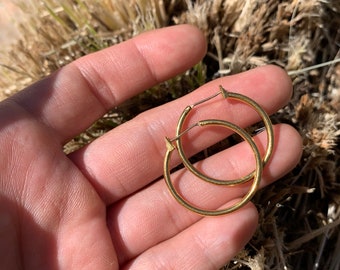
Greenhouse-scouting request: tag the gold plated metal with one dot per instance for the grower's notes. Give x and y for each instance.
(239, 204)
(176, 144)
(229, 95)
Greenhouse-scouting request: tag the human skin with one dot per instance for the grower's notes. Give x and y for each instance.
(100, 207)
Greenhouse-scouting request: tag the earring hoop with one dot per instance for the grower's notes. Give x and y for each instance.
(257, 172)
(244, 99)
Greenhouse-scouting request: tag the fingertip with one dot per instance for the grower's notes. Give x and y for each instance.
(268, 85)
(177, 49)
(230, 239)
(247, 219)
(275, 83)
(194, 41)
(279, 76)
(287, 152)
(196, 37)
(293, 142)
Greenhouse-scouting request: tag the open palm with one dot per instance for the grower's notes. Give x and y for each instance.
(100, 208)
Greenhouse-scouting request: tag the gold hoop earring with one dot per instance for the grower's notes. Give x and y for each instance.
(229, 95)
(257, 173)
(260, 162)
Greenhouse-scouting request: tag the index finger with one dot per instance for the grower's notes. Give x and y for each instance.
(71, 99)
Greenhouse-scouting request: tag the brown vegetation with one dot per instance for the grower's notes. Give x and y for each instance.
(300, 215)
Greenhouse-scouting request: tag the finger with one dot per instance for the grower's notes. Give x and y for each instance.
(208, 244)
(155, 216)
(74, 97)
(131, 156)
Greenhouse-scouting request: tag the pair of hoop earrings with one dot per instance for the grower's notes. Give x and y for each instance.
(259, 161)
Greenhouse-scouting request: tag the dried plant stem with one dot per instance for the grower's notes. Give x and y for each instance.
(306, 69)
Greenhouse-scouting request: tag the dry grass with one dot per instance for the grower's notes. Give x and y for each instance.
(300, 215)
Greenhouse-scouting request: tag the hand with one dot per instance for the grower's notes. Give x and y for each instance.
(97, 208)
